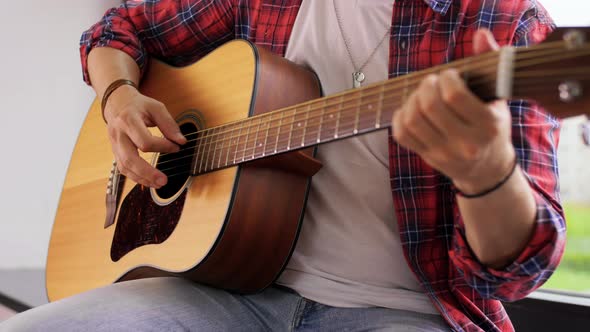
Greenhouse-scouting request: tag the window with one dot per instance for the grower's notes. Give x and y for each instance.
(573, 274)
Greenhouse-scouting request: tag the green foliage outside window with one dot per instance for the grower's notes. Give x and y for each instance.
(573, 273)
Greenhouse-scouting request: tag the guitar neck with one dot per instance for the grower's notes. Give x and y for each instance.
(350, 113)
(554, 73)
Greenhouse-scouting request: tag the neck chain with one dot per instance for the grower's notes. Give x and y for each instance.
(357, 76)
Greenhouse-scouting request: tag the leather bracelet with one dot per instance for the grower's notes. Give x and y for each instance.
(110, 89)
(489, 190)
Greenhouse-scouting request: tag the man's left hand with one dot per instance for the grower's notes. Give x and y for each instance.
(454, 131)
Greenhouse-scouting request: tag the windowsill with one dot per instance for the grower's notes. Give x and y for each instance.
(569, 297)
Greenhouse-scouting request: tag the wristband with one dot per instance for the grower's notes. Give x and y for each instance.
(110, 89)
(489, 190)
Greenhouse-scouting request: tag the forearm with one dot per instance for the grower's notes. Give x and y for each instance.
(106, 65)
(499, 225)
(145, 29)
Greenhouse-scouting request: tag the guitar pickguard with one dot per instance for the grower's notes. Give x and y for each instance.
(141, 221)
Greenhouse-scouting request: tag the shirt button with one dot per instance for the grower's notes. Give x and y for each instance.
(403, 44)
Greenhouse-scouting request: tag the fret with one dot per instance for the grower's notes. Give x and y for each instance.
(238, 144)
(231, 143)
(355, 130)
(300, 128)
(347, 116)
(329, 123)
(268, 125)
(205, 146)
(212, 146)
(291, 131)
(319, 139)
(338, 113)
(223, 142)
(256, 138)
(246, 142)
(279, 132)
(379, 107)
(406, 89)
(305, 125)
(203, 139)
(198, 143)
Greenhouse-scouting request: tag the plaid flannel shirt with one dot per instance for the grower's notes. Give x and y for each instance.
(424, 33)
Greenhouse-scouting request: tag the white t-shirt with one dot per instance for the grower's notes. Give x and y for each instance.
(349, 252)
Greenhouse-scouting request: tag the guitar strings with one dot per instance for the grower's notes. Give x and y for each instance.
(538, 86)
(304, 137)
(266, 126)
(334, 99)
(251, 121)
(210, 163)
(341, 111)
(470, 66)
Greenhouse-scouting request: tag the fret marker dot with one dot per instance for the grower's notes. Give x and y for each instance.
(299, 124)
(370, 107)
(331, 116)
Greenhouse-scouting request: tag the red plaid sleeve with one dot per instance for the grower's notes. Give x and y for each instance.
(179, 31)
(535, 138)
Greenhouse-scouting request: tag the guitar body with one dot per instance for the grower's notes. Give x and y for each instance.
(233, 228)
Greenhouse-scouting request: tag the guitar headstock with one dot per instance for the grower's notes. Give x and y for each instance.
(556, 73)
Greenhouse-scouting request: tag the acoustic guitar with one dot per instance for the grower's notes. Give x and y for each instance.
(232, 209)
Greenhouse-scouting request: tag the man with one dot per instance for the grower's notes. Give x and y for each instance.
(474, 219)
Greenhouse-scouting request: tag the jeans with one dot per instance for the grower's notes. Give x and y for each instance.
(172, 304)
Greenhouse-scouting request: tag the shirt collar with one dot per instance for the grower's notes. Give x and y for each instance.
(439, 6)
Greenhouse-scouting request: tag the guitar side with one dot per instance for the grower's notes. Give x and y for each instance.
(224, 212)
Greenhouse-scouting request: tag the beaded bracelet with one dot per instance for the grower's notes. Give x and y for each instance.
(111, 88)
(489, 190)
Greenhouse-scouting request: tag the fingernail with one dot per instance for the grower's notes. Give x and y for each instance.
(180, 136)
(160, 181)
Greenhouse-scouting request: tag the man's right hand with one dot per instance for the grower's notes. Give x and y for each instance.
(129, 114)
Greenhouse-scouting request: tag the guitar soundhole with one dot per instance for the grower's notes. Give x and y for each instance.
(144, 220)
(177, 166)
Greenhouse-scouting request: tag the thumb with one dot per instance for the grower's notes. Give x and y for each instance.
(483, 41)
(167, 125)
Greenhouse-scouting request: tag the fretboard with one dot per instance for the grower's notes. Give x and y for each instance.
(323, 120)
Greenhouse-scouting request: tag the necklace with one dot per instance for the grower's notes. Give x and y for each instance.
(357, 76)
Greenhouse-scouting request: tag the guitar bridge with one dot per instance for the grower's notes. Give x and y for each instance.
(116, 181)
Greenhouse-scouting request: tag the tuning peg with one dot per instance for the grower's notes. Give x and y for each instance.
(570, 91)
(574, 39)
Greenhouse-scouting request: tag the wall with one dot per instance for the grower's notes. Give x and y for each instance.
(43, 103)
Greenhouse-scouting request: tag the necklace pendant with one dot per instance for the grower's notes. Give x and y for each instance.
(357, 78)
